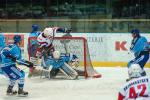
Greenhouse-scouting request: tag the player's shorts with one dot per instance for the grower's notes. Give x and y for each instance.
(13, 72)
(141, 60)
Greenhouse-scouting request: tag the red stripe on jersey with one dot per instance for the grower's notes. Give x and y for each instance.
(120, 96)
(43, 43)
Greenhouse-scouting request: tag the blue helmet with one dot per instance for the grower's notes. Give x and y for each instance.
(35, 27)
(17, 38)
(135, 31)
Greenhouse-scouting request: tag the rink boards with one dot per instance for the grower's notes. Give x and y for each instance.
(110, 49)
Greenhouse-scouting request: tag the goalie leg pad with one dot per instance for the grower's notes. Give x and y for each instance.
(69, 71)
(34, 60)
(38, 72)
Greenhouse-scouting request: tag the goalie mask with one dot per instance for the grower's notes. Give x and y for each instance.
(56, 54)
(135, 71)
(48, 32)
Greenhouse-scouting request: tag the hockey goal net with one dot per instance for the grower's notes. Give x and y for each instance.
(73, 45)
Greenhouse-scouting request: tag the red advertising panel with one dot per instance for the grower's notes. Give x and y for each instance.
(9, 39)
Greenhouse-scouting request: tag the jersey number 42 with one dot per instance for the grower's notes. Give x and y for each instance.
(141, 91)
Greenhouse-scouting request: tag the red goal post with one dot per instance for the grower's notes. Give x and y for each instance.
(73, 45)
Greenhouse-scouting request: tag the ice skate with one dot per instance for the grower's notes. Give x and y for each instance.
(53, 73)
(22, 93)
(10, 91)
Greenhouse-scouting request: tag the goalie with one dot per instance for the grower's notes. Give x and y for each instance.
(63, 63)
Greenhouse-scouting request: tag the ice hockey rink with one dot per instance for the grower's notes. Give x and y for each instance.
(105, 88)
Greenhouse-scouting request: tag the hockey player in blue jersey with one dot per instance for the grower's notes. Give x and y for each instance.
(140, 48)
(33, 44)
(34, 32)
(10, 55)
(2, 45)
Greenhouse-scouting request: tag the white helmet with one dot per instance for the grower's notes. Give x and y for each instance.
(48, 32)
(135, 71)
(56, 54)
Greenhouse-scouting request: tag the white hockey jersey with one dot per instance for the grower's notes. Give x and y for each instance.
(136, 89)
(43, 41)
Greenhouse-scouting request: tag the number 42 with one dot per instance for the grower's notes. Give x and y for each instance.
(133, 94)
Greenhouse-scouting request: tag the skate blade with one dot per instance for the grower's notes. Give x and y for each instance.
(22, 95)
(11, 94)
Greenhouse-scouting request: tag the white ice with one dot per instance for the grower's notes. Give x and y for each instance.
(105, 88)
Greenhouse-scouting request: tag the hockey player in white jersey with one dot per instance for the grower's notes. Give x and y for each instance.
(138, 88)
(45, 40)
(2, 45)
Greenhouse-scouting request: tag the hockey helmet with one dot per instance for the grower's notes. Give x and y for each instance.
(35, 27)
(17, 38)
(135, 31)
(48, 32)
(135, 71)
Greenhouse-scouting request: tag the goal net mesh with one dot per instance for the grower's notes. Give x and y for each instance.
(73, 45)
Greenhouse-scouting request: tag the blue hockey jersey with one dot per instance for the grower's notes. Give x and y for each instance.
(2, 39)
(15, 51)
(138, 45)
(34, 34)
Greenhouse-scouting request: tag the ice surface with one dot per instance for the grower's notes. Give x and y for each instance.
(105, 88)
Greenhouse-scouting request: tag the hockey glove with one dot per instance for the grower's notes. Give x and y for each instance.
(68, 30)
(13, 58)
(28, 64)
(8, 55)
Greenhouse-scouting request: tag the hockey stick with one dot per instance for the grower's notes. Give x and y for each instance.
(65, 42)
